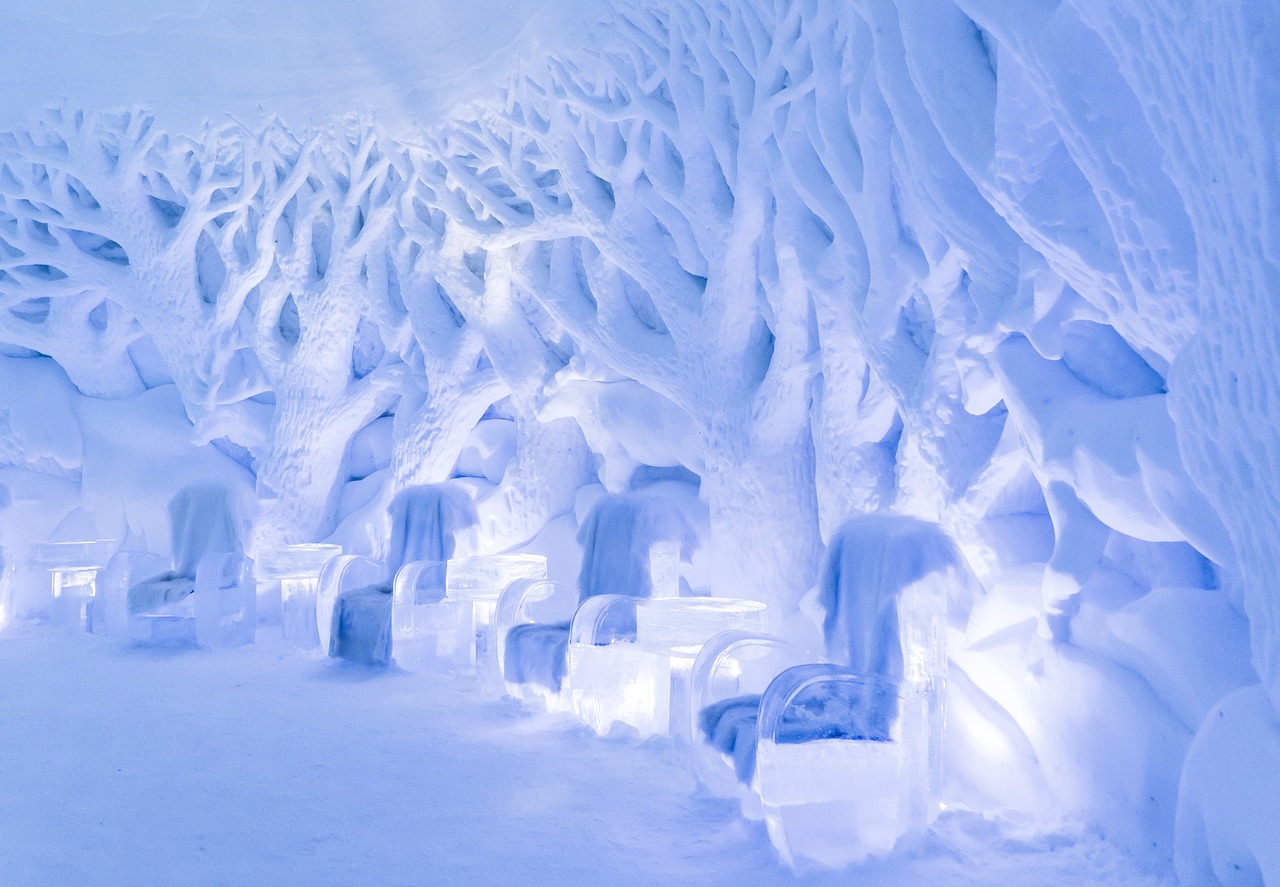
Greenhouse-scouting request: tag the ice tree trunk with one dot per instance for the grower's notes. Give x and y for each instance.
(552, 462)
(427, 450)
(318, 411)
(764, 516)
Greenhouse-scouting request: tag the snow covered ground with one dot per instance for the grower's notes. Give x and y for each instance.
(122, 765)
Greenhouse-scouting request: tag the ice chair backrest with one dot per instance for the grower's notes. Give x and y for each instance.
(884, 587)
(424, 522)
(618, 538)
(202, 520)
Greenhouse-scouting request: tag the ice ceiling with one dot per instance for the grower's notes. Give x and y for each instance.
(1010, 267)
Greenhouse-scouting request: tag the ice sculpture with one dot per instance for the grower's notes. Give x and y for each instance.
(474, 585)
(161, 607)
(366, 620)
(580, 650)
(848, 310)
(844, 755)
(296, 568)
(531, 630)
(73, 570)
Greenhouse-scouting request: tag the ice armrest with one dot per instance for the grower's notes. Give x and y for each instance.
(225, 599)
(842, 763)
(732, 664)
(419, 582)
(604, 619)
(537, 601)
(124, 570)
(342, 573)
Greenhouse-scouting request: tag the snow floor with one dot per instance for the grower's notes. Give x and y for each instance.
(123, 765)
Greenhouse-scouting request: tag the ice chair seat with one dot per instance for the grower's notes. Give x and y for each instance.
(576, 648)
(341, 574)
(361, 629)
(832, 710)
(730, 727)
(147, 603)
(153, 594)
(538, 655)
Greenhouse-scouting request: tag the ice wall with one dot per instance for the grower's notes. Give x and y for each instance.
(1007, 269)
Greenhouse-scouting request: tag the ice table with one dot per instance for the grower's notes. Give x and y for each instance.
(297, 568)
(671, 631)
(474, 585)
(73, 569)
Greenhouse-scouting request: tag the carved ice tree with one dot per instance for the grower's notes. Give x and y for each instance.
(662, 140)
(111, 231)
(326, 332)
(523, 349)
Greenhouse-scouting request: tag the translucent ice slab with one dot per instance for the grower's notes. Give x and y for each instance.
(484, 578)
(612, 681)
(664, 569)
(303, 561)
(225, 600)
(680, 626)
(424, 626)
(297, 569)
(842, 764)
(73, 568)
(87, 555)
(476, 583)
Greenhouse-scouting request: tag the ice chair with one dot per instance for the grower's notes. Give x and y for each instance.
(205, 595)
(614, 654)
(533, 622)
(843, 756)
(358, 620)
(579, 658)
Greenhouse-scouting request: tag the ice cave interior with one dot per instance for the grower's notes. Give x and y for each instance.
(856, 413)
